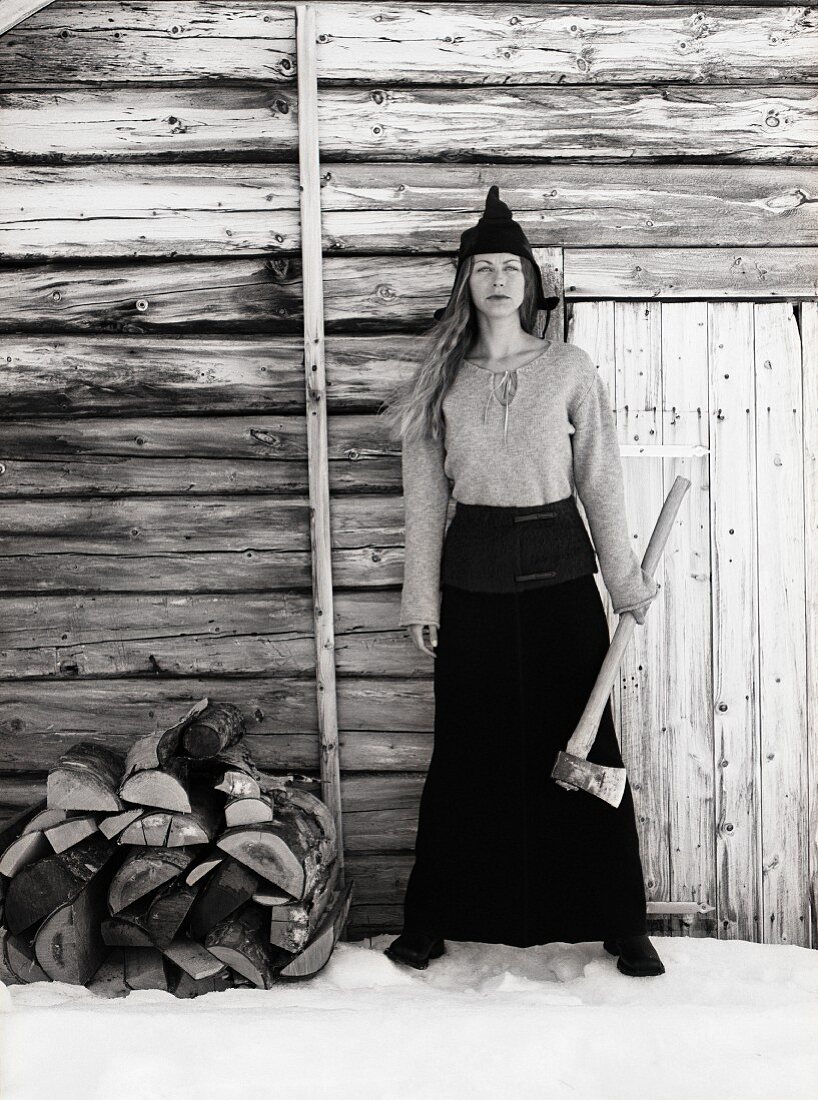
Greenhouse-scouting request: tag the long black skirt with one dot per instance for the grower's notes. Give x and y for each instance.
(503, 853)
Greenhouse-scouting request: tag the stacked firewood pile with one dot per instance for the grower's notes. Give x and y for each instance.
(179, 867)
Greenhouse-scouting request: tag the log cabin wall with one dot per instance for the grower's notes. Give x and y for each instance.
(154, 471)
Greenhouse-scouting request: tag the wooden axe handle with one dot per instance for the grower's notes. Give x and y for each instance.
(584, 735)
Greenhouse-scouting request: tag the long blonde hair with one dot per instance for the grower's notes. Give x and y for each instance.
(414, 409)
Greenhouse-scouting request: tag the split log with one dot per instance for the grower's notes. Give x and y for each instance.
(122, 931)
(175, 830)
(269, 898)
(182, 985)
(240, 942)
(165, 788)
(168, 912)
(19, 958)
(37, 890)
(215, 730)
(86, 778)
(294, 924)
(113, 826)
(109, 980)
(194, 959)
(154, 775)
(65, 835)
(22, 851)
(203, 867)
(45, 819)
(145, 968)
(317, 953)
(247, 811)
(286, 851)
(69, 945)
(239, 784)
(143, 871)
(228, 888)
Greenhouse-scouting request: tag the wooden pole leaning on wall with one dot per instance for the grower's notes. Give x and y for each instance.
(316, 393)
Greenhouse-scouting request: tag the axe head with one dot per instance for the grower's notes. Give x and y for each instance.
(597, 779)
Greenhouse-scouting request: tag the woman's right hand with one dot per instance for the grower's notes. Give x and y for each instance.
(416, 633)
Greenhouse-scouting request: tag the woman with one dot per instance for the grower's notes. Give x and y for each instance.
(510, 425)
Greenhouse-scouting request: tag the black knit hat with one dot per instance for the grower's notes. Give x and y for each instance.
(496, 231)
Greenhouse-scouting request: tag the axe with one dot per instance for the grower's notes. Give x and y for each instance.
(572, 769)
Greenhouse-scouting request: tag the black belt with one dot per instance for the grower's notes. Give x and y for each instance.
(490, 548)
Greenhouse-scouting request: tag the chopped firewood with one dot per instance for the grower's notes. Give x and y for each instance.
(45, 819)
(22, 851)
(175, 830)
(203, 867)
(144, 870)
(168, 912)
(238, 784)
(86, 778)
(247, 811)
(317, 953)
(109, 980)
(69, 945)
(240, 942)
(145, 968)
(164, 788)
(229, 887)
(19, 957)
(113, 826)
(294, 924)
(194, 959)
(41, 887)
(121, 931)
(182, 985)
(215, 730)
(68, 833)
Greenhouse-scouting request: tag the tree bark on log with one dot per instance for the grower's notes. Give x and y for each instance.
(215, 730)
(317, 953)
(86, 778)
(168, 911)
(19, 958)
(240, 943)
(293, 924)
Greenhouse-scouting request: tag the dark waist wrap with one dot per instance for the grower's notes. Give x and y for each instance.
(489, 548)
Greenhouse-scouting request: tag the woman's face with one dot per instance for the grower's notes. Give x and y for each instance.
(497, 283)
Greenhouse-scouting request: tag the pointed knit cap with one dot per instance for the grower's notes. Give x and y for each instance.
(496, 231)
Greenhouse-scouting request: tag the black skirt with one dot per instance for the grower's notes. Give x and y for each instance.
(503, 853)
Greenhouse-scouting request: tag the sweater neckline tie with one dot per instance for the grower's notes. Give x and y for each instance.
(502, 394)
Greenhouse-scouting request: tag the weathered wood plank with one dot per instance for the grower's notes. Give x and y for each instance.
(170, 212)
(809, 357)
(269, 633)
(782, 793)
(455, 43)
(733, 519)
(687, 632)
(14, 12)
(402, 123)
(242, 295)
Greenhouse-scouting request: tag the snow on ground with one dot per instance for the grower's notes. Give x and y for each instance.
(728, 1020)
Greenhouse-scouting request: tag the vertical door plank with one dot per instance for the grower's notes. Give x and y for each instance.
(809, 366)
(638, 402)
(734, 618)
(686, 590)
(781, 624)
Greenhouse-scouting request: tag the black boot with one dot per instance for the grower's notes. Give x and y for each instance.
(415, 949)
(637, 956)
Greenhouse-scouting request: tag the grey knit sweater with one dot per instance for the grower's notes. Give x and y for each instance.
(533, 435)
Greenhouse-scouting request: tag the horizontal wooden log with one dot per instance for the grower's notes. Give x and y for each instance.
(86, 777)
(218, 727)
(129, 42)
(119, 40)
(172, 212)
(228, 888)
(194, 959)
(367, 293)
(143, 871)
(400, 123)
(145, 968)
(131, 636)
(168, 912)
(112, 826)
(22, 851)
(68, 833)
(240, 942)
